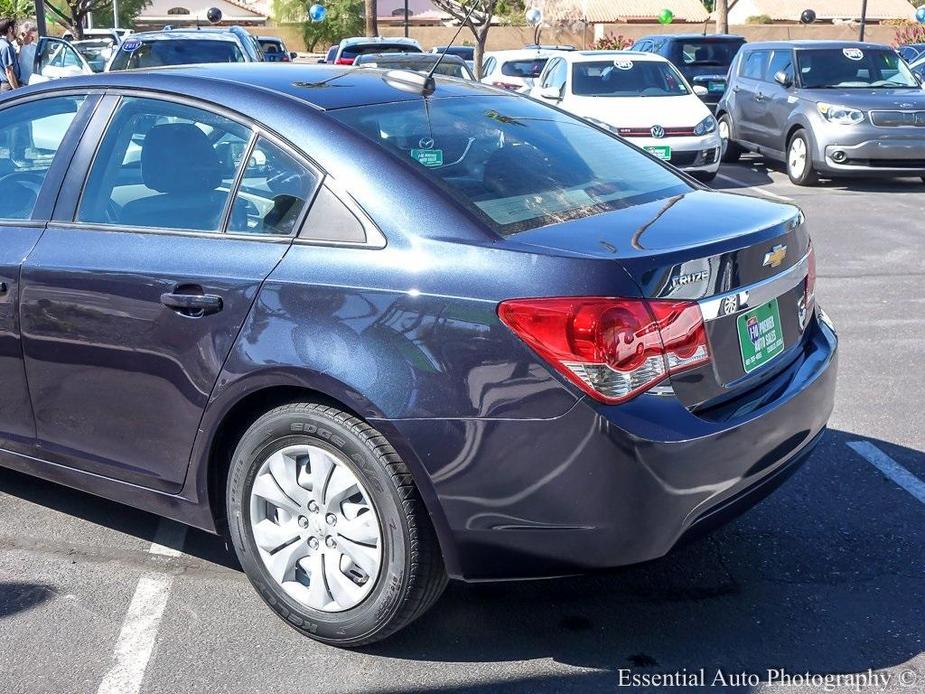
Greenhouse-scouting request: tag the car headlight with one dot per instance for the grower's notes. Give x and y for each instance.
(707, 125)
(843, 115)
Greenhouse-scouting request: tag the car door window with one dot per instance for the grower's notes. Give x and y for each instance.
(165, 165)
(781, 61)
(30, 135)
(489, 66)
(273, 192)
(59, 54)
(754, 65)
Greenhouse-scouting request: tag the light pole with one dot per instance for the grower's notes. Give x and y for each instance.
(40, 25)
(863, 18)
(115, 14)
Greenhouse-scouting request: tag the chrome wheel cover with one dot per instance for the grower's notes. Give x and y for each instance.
(316, 530)
(796, 159)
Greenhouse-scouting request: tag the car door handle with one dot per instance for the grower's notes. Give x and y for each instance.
(736, 89)
(759, 96)
(3, 288)
(192, 305)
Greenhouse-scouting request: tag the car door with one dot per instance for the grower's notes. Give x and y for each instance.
(552, 81)
(749, 99)
(134, 295)
(37, 137)
(775, 106)
(55, 58)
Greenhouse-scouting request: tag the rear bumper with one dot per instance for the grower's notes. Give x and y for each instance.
(603, 486)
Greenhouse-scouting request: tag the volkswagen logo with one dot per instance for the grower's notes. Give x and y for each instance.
(657, 131)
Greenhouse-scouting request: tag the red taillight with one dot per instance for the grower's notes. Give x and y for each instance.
(284, 59)
(506, 85)
(613, 349)
(344, 61)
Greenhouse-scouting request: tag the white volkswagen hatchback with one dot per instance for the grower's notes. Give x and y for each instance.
(643, 98)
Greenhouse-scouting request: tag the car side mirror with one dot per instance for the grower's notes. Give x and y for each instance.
(550, 93)
(700, 90)
(782, 78)
(293, 55)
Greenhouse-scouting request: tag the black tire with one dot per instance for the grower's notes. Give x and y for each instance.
(411, 576)
(808, 176)
(731, 151)
(704, 176)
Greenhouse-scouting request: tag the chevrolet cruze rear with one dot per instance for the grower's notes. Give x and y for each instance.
(529, 349)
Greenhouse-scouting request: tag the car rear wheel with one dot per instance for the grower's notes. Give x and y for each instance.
(329, 526)
(731, 151)
(800, 160)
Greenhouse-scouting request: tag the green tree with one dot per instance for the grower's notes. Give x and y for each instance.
(128, 11)
(72, 14)
(344, 18)
(17, 9)
(476, 15)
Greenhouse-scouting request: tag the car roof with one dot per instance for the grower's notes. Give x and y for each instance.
(816, 43)
(185, 35)
(521, 53)
(692, 36)
(346, 86)
(355, 40)
(588, 56)
(448, 59)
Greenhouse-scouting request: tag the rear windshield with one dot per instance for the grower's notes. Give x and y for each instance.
(352, 52)
(515, 163)
(626, 77)
(528, 69)
(841, 68)
(272, 46)
(709, 53)
(136, 53)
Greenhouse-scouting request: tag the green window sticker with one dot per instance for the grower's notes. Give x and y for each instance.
(428, 157)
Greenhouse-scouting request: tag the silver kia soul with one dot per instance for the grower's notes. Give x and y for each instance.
(826, 108)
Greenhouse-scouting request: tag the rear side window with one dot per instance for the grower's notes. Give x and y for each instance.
(30, 135)
(273, 193)
(137, 54)
(168, 166)
(527, 69)
(754, 65)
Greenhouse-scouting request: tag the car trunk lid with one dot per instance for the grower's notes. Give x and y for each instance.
(744, 260)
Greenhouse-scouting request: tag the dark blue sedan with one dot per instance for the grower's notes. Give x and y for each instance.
(381, 338)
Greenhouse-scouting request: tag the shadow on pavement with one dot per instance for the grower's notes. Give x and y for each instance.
(825, 576)
(18, 597)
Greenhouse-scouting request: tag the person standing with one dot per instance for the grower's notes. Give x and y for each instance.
(9, 62)
(28, 35)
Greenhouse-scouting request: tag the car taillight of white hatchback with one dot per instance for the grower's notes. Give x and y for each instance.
(611, 348)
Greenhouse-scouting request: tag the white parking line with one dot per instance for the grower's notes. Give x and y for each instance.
(890, 468)
(139, 629)
(755, 189)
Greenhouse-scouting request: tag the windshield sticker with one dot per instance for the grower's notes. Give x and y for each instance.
(623, 64)
(131, 45)
(428, 157)
(853, 53)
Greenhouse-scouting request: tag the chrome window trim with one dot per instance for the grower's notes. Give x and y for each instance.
(756, 294)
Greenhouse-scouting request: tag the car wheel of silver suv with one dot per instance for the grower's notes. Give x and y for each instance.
(800, 167)
(731, 151)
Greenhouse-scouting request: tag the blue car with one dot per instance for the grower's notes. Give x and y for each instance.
(380, 335)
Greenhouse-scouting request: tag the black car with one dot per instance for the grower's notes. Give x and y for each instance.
(274, 50)
(464, 52)
(703, 59)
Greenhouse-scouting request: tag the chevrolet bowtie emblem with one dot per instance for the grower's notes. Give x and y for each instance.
(775, 256)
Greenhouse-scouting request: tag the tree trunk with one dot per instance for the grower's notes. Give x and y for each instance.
(478, 56)
(372, 26)
(722, 16)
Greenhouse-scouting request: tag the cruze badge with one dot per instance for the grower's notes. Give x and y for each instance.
(689, 278)
(657, 131)
(775, 256)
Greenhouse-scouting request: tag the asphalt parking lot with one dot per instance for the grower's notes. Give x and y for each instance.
(826, 577)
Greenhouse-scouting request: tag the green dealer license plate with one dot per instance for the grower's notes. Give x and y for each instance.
(760, 335)
(661, 151)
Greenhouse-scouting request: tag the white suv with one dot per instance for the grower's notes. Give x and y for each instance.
(515, 70)
(641, 97)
